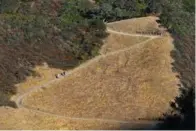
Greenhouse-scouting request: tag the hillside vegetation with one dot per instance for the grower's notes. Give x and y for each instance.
(61, 33)
(148, 26)
(51, 31)
(128, 81)
(179, 17)
(116, 42)
(135, 75)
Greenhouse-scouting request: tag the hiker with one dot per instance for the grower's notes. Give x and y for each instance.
(64, 73)
(57, 76)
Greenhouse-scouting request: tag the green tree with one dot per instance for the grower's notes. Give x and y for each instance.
(178, 17)
(112, 10)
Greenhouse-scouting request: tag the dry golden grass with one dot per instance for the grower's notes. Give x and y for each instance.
(143, 24)
(115, 42)
(45, 74)
(29, 120)
(137, 83)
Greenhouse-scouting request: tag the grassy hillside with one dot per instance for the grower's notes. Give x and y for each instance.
(25, 119)
(128, 81)
(121, 80)
(133, 78)
(116, 42)
(143, 24)
(58, 32)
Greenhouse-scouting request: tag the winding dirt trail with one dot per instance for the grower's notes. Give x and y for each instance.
(19, 99)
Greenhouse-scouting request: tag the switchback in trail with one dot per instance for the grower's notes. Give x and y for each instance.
(19, 99)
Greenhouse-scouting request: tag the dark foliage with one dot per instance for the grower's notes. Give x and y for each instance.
(178, 17)
(183, 115)
(113, 10)
(37, 31)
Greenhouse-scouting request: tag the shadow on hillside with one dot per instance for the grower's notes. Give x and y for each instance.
(182, 115)
(141, 126)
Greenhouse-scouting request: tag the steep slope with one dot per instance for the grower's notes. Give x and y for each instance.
(132, 80)
(131, 84)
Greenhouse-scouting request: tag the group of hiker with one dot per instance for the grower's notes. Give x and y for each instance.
(60, 75)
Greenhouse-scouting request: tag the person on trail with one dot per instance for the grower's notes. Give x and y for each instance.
(63, 74)
(57, 76)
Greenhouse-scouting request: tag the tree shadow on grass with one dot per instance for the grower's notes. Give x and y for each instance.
(182, 115)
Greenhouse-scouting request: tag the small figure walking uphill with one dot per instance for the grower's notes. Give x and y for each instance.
(61, 74)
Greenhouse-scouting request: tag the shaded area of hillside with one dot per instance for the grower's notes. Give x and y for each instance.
(115, 10)
(178, 17)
